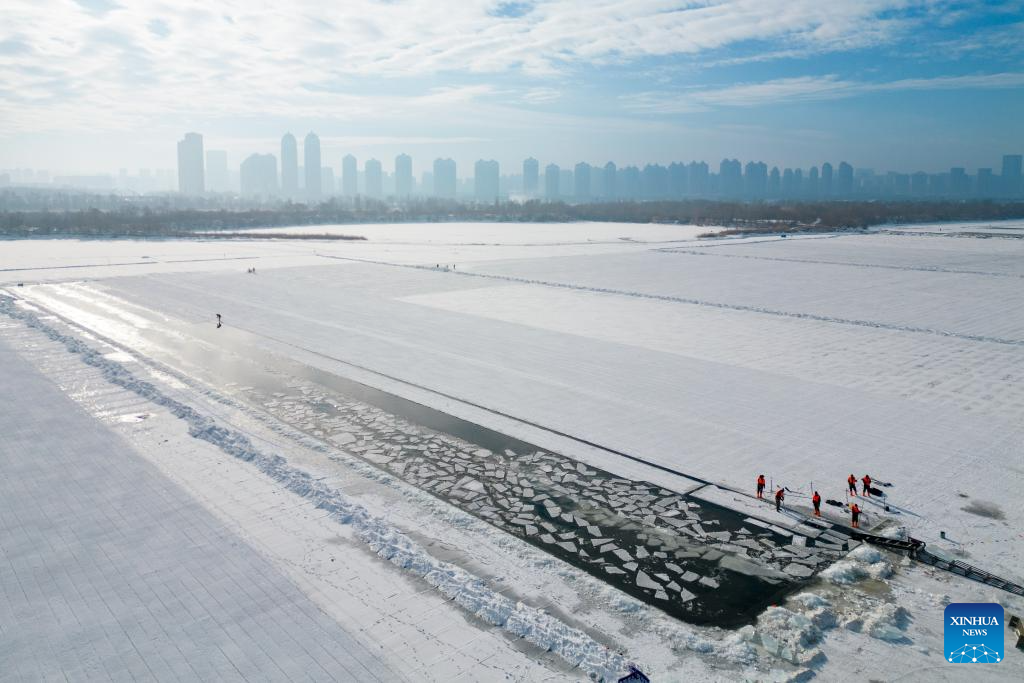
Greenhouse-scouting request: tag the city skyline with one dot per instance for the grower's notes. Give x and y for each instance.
(92, 87)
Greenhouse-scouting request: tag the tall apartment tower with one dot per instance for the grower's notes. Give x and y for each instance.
(531, 177)
(311, 161)
(374, 175)
(349, 176)
(552, 179)
(403, 176)
(289, 166)
(191, 176)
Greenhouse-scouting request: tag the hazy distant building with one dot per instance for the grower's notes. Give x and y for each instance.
(258, 175)
(774, 182)
(654, 181)
(581, 182)
(485, 180)
(697, 179)
(628, 183)
(813, 184)
(349, 176)
(677, 177)
(403, 176)
(531, 177)
(373, 174)
(959, 182)
(919, 184)
(217, 170)
(608, 180)
(427, 183)
(844, 180)
(289, 166)
(552, 179)
(826, 180)
(191, 176)
(1011, 176)
(730, 178)
(312, 165)
(755, 180)
(444, 178)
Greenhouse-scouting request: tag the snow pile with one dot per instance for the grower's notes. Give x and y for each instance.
(888, 622)
(787, 635)
(863, 563)
(468, 591)
(817, 609)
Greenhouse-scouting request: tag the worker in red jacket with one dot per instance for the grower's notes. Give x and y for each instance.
(852, 481)
(780, 495)
(816, 501)
(855, 511)
(760, 486)
(866, 480)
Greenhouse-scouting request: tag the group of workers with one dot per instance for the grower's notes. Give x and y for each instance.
(855, 511)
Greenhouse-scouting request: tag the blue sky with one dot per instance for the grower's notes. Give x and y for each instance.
(96, 85)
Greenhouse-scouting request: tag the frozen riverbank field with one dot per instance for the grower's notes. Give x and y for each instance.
(561, 432)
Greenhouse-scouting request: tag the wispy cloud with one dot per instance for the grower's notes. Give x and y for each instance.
(120, 63)
(806, 89)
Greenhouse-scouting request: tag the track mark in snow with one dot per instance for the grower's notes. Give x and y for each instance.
(708, 304)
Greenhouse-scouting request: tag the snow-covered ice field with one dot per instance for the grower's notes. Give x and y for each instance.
(898, 353)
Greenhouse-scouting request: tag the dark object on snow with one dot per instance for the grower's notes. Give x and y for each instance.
(218, 321)
(836, 503)
(876, 492)
(1018, 629)
(635, 676)
(21, 284)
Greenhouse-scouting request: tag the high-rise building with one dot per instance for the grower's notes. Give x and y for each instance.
(373, 174)
(1011, 176)
(311, 161)
(289, 166)
(844, 180)
(552, 178)
(217, 170)
(258, 175)
(531, 177)
(608, 179)
(826, 180)
(755, 179)
(813, 185)
(581, 182)
(486, 178)
(774, 182)
(654, 181)
(730, 178)
(191, 176)
(349, 176)
(959, 182)
(677, 177)
(919, 184)
(628, 183)
(403, 176)
(444, 178)
(697, 174)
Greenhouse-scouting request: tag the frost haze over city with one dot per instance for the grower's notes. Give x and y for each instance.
(531, 341)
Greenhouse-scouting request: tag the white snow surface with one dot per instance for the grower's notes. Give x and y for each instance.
(897, 355)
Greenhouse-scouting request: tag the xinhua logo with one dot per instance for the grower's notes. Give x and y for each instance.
(974, 633)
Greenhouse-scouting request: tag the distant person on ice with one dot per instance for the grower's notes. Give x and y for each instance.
(218, 321)
(855, 512)
(866, 480)
(760, 486)
(852, 481)
(816, 501)
(780, 496)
